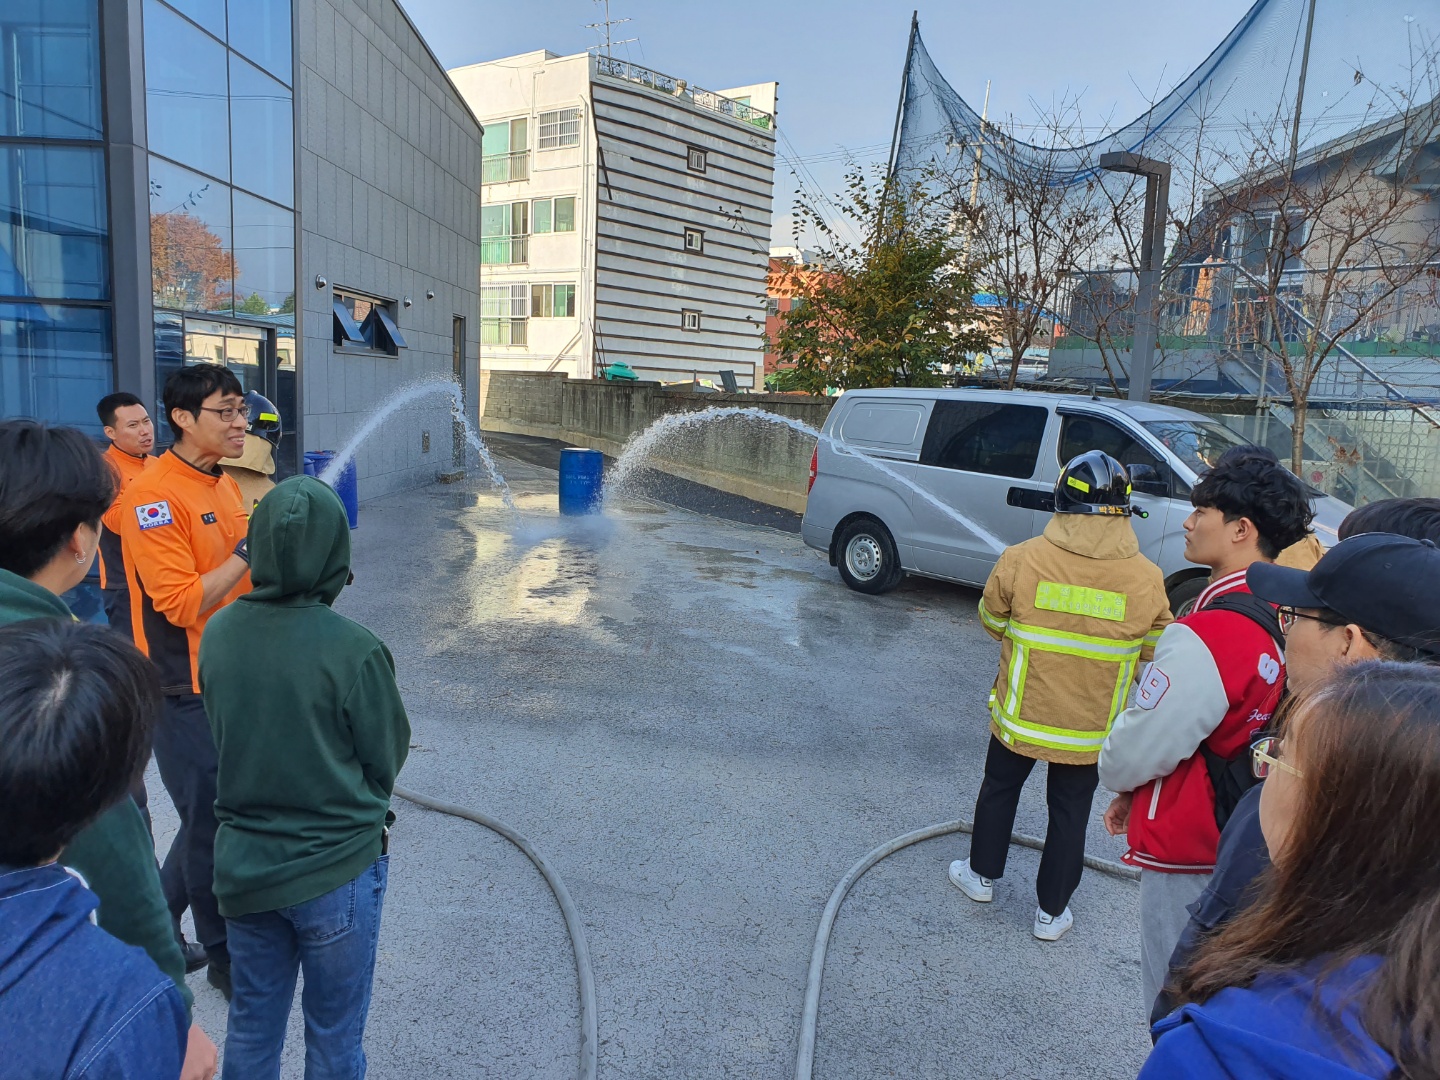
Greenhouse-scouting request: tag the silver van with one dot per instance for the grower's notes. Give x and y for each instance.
(897, 475)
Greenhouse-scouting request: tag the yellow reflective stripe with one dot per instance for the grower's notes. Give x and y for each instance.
(1122, 688)
(1153, 637)
(1080, 600)
(1051, 737)
(998, 625)
(1076, 482)
(268, 416)
(1084, 645)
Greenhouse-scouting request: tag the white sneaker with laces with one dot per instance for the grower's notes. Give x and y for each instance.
(977, 888)
(1052, 927)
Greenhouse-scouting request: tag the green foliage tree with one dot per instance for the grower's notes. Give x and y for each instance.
(254, 304)
(891, 308)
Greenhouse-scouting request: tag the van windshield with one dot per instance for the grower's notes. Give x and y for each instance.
(1197, 443)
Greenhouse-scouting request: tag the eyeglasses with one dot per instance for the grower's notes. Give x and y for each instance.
(229, 412)
(1263, 755)
(1287, 616)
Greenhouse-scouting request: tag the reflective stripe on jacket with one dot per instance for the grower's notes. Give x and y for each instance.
(1076, 610)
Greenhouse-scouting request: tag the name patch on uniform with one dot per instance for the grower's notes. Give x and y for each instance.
(1079, 600)
(1153, 684)
(153, 515)
(208, 519)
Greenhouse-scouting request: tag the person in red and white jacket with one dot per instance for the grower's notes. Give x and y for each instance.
(1216, 679)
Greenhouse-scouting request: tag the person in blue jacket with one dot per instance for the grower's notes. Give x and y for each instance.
(1333, 971)
(77, 704)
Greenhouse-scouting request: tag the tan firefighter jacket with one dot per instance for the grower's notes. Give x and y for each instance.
(1076, 610)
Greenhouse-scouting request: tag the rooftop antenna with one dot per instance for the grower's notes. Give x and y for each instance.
(605, 25)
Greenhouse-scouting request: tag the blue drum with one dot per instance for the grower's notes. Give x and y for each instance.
(580, 480)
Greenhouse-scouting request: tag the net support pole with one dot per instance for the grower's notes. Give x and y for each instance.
(1152, 263)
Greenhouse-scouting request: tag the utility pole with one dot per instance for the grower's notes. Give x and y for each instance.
(975, 179)
(1152, 263)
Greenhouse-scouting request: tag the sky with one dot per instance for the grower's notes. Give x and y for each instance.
(839, 63)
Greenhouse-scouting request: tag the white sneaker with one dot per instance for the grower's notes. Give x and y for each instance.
(977, 888)
(1052, 927)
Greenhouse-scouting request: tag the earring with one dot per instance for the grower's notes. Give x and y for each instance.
(79, 556)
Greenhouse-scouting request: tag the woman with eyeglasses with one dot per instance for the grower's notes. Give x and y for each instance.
(1334, 971)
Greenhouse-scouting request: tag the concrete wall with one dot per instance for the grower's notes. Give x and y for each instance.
(769, 464)
(389, 166)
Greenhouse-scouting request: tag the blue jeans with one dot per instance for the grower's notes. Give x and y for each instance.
(333, 939)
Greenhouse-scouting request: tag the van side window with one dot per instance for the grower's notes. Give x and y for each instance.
(985, 437)
(1079, 434)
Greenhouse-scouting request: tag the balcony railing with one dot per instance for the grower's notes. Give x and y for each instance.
(504, 168)
(666, 84)
(504, 250)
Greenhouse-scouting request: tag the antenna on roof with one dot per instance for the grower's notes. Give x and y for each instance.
(605, 25)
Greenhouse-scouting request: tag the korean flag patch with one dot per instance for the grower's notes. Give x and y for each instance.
(153, 515)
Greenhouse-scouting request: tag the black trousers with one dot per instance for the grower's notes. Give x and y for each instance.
(1069, 792)
(117, 611)
(185, 753)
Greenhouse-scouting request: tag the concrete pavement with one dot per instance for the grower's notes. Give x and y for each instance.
(704, 729)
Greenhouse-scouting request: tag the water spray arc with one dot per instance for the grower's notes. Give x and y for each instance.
(409, 396)
(644, 444)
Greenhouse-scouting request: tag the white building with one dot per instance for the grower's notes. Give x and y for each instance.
(625, 219)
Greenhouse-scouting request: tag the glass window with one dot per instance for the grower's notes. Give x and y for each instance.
(191, 262)
(984, 437)
(262, 133)
(1080, 434)
(541, 210)
(552, 301)
(53, 223)
(689, 319)
(694, 240)
(208, 13)
(504, 232)
(503, 148)
(50, 69)
(364, 322)
(559, 128)
(1198, 444)
(503, 311)
(565, 214)
(264, 257)
(55, 362)
(186, 92)
(564, 302)
(694, 159)
(261, 30)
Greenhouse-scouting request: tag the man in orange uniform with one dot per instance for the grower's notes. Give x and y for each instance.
(132, 437)
(183, 526)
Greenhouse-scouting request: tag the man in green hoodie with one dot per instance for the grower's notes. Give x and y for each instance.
(311, 734)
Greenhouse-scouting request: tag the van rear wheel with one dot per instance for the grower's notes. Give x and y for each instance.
(867, 558)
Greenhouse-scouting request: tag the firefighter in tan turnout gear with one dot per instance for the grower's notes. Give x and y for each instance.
(1076, 610)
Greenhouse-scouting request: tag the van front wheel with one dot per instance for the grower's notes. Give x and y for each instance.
(868, 561)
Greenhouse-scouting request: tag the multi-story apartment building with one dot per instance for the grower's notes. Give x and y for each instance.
(625, 219)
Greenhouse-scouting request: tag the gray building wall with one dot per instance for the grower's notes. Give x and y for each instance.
(645, 198)
(389, 165)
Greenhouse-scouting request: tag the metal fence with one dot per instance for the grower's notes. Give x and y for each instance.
(667, 84)
(1372, 428)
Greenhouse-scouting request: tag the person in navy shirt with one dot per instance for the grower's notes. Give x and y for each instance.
(77, 704)
(1332, 972)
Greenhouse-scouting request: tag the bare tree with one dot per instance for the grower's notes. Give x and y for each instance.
(1329, 244)
(1030, 227)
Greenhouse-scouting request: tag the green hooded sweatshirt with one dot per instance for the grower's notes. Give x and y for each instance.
(308, 721)
(114, 854)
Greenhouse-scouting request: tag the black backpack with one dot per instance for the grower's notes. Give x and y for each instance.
(1231, 777)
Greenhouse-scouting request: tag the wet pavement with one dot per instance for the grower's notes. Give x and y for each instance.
(703, 729)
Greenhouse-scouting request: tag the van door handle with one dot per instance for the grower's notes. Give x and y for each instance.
(1031, 499)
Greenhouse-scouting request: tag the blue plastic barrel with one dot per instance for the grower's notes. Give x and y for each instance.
(347, 486)
(580, 480)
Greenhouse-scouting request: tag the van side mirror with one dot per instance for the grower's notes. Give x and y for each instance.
(1147, 480)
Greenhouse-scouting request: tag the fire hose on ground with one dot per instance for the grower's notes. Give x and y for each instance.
(805, 1056)
(589, 1038)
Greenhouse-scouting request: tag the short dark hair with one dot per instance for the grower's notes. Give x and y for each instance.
(53, 481)
(189, 386)
(78, 704)
(1418, 519)
(106, 406)
(1250, 482)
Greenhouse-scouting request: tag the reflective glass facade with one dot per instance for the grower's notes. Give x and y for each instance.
(56, 328)
(220, 124)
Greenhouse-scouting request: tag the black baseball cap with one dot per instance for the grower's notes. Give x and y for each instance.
(1381, 582)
